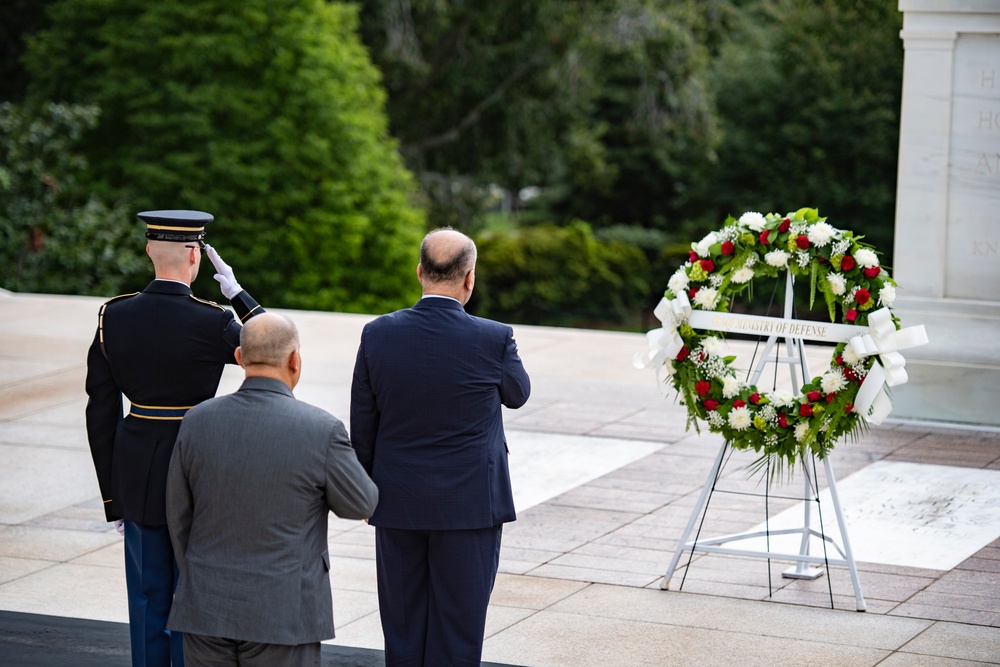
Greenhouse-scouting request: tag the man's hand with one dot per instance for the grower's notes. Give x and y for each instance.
(224, 274)
(120, 526)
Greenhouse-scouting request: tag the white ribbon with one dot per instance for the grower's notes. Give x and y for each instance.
(664, 342)
(884, 340)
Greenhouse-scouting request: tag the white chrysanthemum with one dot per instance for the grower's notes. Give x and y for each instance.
(781, 398)
(850, 356)
(800, 431)
(731, 387)
(711, 345)
(740, 419)
(742, 275)
(866, 258)
(753, 220)
(706, 297)
(778, 258)
(832, 381)
(820, 234)
(678, 282)
(887, 295)
(702, 247)
(837, 283)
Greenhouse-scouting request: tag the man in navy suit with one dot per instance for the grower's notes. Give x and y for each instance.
(426, 425)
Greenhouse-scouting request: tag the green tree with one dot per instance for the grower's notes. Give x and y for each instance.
(267, 114)
(600, 104)
(559, 275)
(808, 95)
(50, 240)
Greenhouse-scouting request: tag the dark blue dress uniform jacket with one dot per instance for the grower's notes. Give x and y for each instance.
(165, 349)
(426, 420)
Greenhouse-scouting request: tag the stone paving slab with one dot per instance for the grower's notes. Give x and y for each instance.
(580, 572)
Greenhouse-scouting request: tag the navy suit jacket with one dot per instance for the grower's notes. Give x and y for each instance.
(425, 416)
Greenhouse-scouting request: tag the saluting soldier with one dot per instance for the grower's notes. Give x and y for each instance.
(164, 350)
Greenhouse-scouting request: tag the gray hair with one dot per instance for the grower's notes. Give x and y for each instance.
(448, 258)
(268, 339)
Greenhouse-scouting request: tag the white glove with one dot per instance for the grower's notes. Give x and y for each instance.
(227, 281)
(120, 526)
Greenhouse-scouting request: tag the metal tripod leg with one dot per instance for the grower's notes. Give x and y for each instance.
(699, 506)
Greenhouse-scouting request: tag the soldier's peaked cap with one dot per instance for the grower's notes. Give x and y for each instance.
(175, 225)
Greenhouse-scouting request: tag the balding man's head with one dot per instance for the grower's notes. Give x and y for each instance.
(447, 256)
(268, 340)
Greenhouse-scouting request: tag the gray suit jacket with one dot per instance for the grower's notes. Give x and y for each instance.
(252, 479)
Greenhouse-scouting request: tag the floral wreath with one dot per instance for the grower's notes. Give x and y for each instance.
(780, 426)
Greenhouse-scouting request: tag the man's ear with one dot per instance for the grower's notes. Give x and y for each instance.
(239, 356)
(420, 273)
(295, 361)
(470, 280)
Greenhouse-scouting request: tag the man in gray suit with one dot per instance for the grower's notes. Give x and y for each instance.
(252, 479)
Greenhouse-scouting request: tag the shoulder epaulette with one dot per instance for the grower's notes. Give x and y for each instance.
(207, 303)
(100, 320)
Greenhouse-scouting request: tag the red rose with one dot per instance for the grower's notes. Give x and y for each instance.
(785, 224)
(728, 248)
(692, 292)
(814, 396)
(783, 420)
(862, 296)
(710, 404)
(702, 356)
(851, 315)
(755, 398)
(830, 397)
(763, 236)
(692, 256)
(703, 387)
(708, 265)
(805, 410)
(839, 360)
(846, 263)
(849, 408)
(872, 271)
(683, 354)
(739, 404)
(802, 241)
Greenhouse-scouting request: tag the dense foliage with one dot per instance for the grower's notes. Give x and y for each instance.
(560, 276)
(265, 113)
(51, 240)
(649, 120)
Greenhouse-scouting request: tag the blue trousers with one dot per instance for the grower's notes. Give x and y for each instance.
(150, 578)
(433, 590)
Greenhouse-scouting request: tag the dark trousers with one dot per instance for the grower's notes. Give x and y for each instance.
(433, 590)
(150, 578)
(202, 651)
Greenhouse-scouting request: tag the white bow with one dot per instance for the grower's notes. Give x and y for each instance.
(664, 342)
(884, 340)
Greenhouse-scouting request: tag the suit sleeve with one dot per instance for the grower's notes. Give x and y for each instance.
(364, 411)
(180, 502)
(104, 412)
(245, 306)
(350, 492)
(515, 387)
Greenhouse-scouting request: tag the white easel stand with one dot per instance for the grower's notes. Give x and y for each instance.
(803, 559)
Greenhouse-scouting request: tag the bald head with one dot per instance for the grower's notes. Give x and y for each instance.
(447, 256)
(268, 340)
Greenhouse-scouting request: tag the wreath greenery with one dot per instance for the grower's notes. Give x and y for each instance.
(781, 427)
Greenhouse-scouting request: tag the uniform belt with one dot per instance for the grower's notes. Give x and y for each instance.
(159, 412)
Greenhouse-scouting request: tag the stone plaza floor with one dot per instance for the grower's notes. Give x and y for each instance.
(605, 479)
